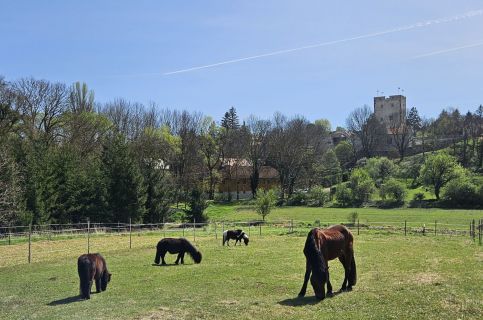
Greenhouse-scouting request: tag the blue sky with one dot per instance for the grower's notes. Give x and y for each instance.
(123, 49)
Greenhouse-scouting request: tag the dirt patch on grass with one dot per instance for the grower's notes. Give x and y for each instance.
(228, 302)
(164, 314)
(424, 278)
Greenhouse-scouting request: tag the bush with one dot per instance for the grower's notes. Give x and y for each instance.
(265, 201)
(393, 190)
(317, 197)
(362, 186)
(352, 217)
(462, 192)
(343, 195)
(419, 196)
(298, 198)
(197, 204)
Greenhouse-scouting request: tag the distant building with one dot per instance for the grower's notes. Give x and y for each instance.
(391, 110)
(235, 178)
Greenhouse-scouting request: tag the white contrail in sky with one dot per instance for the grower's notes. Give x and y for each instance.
(423, 24)
(434, 53)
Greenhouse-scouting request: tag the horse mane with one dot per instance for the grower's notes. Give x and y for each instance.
(314, 255)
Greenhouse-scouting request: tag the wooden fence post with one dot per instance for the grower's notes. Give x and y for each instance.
(164, 229)
(291, 225)
(30, 242)
(435, 226)
(260, 232)
(88, 235)
(473, 229)
(249, 227)
(9, 233)
(358, 226)
(130, 233)
(194, 229)
(216, 235)
(405, 227)
(479, 231)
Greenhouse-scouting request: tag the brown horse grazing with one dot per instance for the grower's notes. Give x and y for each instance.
(92, 267)
(176, 245)
(321, 246)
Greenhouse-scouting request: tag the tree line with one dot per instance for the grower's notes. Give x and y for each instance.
(65, 157)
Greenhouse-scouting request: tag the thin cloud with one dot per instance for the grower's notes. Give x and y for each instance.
(423, 24)
(434, 53)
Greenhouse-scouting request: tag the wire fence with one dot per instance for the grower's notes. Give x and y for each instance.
(26, 244)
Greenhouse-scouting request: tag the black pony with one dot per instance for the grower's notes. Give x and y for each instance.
(236, 235)
(321, 246)
(92, 267)
(176, 245)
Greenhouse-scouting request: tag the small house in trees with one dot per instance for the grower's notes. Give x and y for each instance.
(236, 181)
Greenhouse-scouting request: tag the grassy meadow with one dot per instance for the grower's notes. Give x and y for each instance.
(411, 277)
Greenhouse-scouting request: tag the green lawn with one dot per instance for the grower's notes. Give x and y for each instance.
(397, 216)
(412, 277)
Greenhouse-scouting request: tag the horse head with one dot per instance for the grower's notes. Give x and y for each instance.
(196, 255)
(245, 239)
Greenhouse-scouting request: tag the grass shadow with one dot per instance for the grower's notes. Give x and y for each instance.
(167, 265)
(303, 301)
(65, 301)
(299, 301)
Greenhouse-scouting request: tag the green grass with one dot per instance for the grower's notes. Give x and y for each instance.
(414, 216)
(412, 277)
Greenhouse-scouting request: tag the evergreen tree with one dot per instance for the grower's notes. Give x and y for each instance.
(414, 120)
(230, 120)
(125, 191)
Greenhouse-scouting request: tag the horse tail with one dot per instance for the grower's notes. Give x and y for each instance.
(157, 259)
(84, 270)
(313, 254)
(353, 272)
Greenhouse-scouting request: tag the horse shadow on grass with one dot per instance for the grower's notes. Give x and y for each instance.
(303, 301)
(166, 265)
(65, 301)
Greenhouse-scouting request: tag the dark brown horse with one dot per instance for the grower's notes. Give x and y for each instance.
(321, 246)
(176, 245)
(92, 267)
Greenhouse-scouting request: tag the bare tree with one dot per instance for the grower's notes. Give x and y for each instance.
(81, 99)
(402, 133)
(363, 125)
(257, 148)
(40, 103)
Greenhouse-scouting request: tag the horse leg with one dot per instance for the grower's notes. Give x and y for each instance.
(98, 285)
(342, 260)
(178, 258)
(329, 285)
(162, 257)
(308, 270)
(182, 258)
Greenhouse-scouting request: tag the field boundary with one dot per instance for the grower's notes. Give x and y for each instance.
(42, 241)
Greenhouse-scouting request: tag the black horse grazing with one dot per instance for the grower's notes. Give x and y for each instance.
(176, 245)
(236, 235)
(321, 246)
(92, 267)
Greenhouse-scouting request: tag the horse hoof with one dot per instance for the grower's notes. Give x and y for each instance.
(349, 289)
(330, 294)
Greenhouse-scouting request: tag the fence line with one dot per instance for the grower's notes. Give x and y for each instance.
(36, 237)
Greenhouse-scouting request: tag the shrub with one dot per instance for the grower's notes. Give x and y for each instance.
(393, 190)
(297, 199)
(419, 196)
(317, 197)
(361, 186)
(352, 217)
(380, 169)
(343, 195)
(197, 204)
(462, 192)
(265, 202)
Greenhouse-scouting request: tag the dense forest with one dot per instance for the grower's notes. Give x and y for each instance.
(65, 157)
